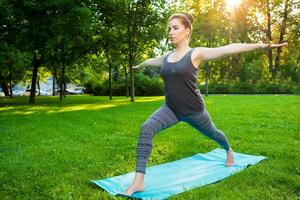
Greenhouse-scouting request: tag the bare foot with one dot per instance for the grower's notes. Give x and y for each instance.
(229, 161)
(137, 185)
(134, 188)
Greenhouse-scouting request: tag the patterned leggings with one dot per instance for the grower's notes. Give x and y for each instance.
(164, 118)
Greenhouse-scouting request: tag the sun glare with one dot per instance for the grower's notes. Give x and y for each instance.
(230, 4)
(259, 17)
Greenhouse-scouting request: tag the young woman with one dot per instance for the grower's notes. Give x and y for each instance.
(183, 101)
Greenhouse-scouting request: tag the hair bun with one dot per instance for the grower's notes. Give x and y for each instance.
(189, 16)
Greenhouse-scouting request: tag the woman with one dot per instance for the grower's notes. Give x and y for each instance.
(179, 69)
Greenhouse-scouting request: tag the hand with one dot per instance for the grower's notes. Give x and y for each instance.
(135, 67)
(277, 45)
(270, 45)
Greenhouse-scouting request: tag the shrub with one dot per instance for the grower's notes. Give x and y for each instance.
(276, 87)
(144, 86)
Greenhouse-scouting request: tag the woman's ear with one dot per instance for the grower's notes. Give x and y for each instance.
(188, 32)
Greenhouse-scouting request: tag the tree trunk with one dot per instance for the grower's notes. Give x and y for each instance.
(36, 63)
(269, 35)
(126, 82)
(4, 85)
(10, 79)
(65, 84)
(53, 81)
(109, 71)
(131, 35)
(132, 59)
(62, 81)
(4, 88)
(38, 85)
(282, 32)
(207, 71)
(109, 83)
(131, 79)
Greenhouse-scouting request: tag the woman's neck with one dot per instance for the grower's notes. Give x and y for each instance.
(182, 47)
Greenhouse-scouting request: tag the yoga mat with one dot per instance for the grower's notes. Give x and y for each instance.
(165, 180)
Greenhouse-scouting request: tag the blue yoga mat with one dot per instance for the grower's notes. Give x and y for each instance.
(165, 180)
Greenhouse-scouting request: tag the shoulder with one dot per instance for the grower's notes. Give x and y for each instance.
(200, 50)
(197, 55)
(167, 53)
(203, 52)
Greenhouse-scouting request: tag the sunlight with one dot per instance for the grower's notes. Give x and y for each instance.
(259, 17)
(231, 4)
(149, 99)
(28, 110)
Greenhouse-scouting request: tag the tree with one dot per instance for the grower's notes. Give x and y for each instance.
(109, 34)
(143, 19)
(13, 58)
(133, 30)
(286, 11)
(70, 36)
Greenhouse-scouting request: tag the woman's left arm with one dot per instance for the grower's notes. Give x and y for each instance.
(205, 54)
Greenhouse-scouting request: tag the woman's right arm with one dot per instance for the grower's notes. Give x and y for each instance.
(155, 62)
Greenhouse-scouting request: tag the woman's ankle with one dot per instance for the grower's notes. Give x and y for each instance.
(138, 178)
(229, 150)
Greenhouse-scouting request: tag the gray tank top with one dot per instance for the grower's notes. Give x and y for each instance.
(180, 78)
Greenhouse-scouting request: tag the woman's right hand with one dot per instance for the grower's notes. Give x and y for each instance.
(136, 67)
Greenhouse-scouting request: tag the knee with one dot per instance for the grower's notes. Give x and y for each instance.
(146, 133)
(147, 129)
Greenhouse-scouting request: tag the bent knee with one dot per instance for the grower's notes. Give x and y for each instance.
(148, 128)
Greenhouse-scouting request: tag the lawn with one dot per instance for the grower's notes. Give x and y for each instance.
(52, 150)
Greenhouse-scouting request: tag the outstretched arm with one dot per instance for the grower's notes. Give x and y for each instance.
(205, 54)
(155, 62)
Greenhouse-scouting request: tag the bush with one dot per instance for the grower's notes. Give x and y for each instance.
(282, 87)
(152, 85)
(88, 88)
(144, 86)
(148, 86)
(276, 87)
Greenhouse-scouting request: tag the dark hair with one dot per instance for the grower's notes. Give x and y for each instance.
(186, 19)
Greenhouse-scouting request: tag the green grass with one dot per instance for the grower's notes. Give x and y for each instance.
(52, 150)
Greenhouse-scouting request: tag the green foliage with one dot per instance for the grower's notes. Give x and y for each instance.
(250, 67)
(148, 86)
(275, 87)
(11, 56)
(216, 25)
(144, 86)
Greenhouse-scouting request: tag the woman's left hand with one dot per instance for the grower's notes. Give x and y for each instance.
(277, 45)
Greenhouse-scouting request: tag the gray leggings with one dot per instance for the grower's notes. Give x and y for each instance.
(164, 118)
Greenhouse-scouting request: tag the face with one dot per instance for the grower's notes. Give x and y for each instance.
(177, 31)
